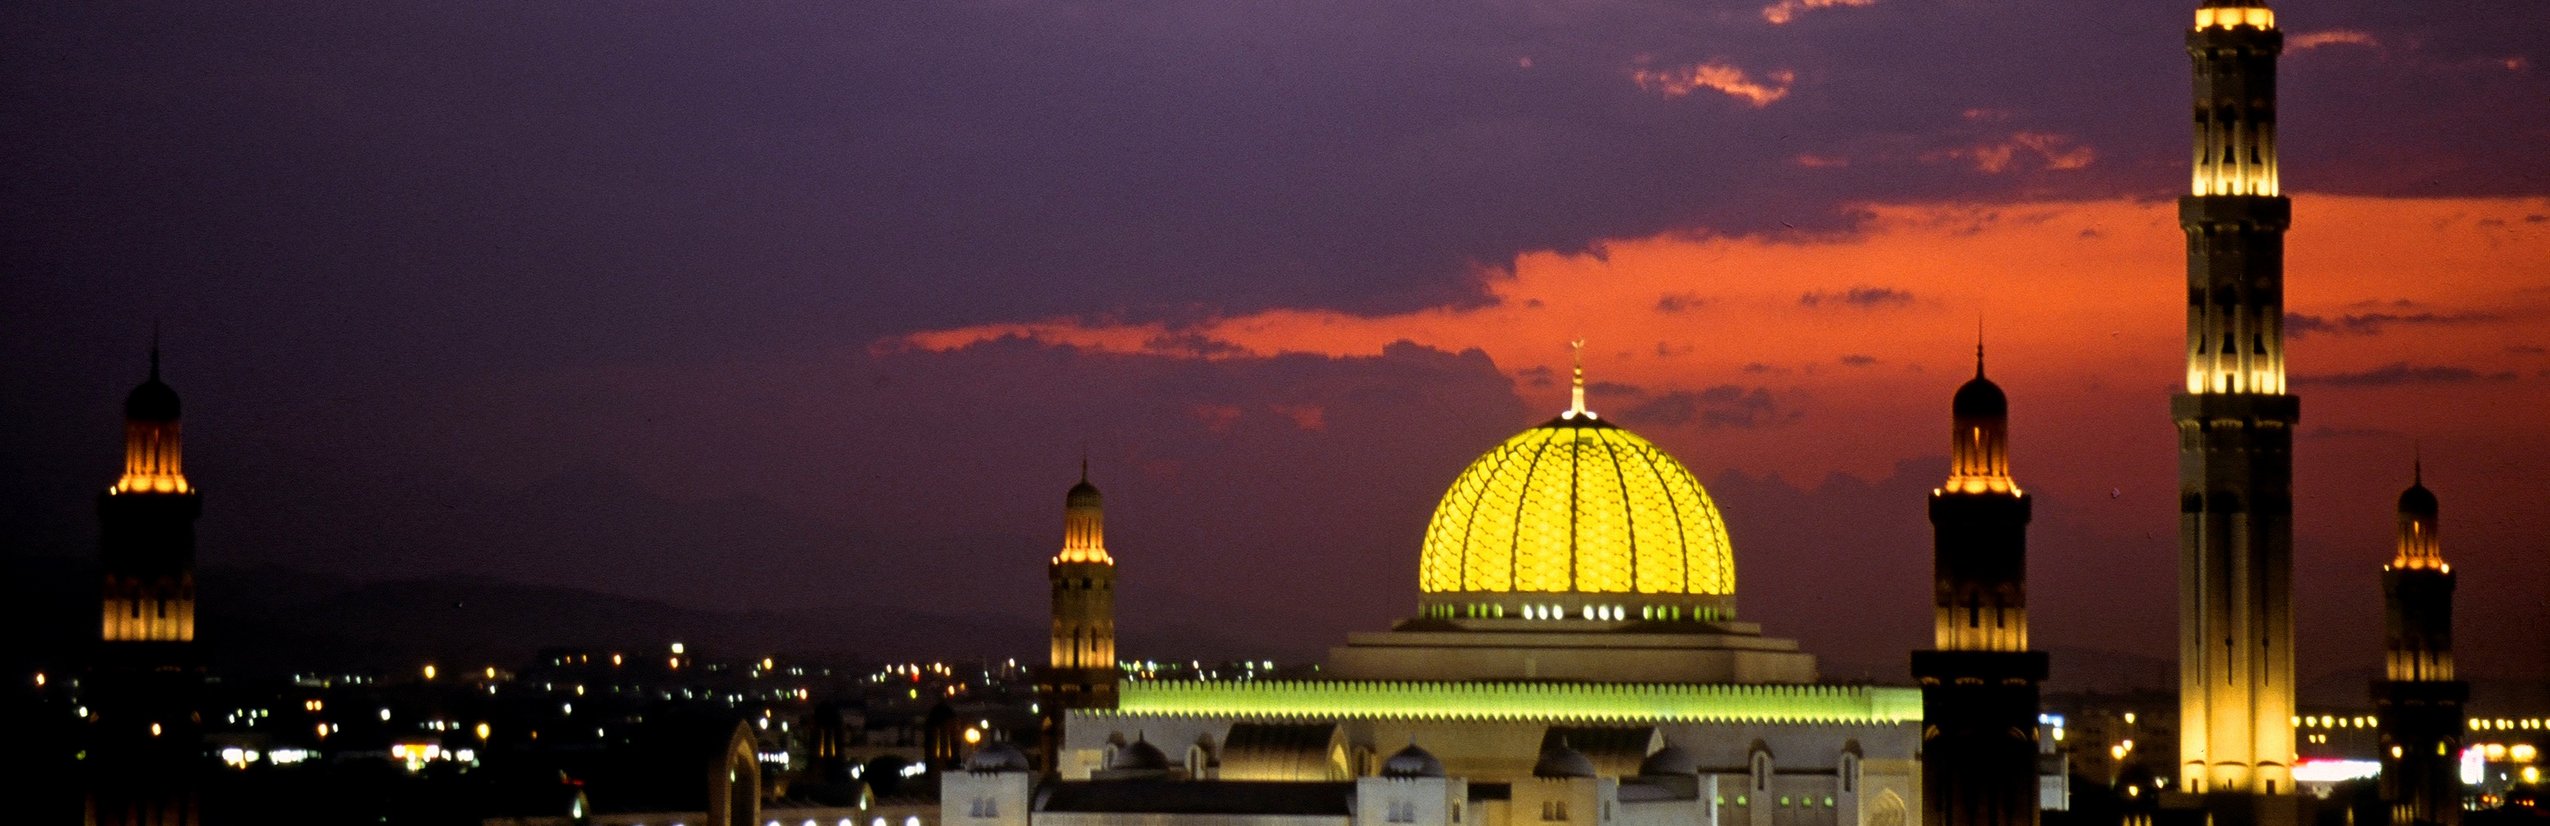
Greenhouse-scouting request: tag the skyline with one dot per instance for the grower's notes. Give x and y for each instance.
(671, 340)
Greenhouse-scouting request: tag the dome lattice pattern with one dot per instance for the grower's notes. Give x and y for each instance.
(1577, 505)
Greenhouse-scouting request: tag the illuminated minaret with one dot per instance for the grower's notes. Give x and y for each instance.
(147, 526)
(2235, 425)
(1082, 671)
(144, 747)
(2419, 704)
(1979, 688)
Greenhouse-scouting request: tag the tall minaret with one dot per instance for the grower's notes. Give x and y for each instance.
(2235, 424)
(1979, 688)
(1082, 672)
(145, 737)
(2419, 704)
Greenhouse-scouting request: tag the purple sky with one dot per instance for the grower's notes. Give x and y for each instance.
(621, 295)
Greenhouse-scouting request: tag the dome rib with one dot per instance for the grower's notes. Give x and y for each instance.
(1514, 540)
(1628, 512)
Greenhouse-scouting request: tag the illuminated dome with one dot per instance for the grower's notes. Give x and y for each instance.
(1577, 519)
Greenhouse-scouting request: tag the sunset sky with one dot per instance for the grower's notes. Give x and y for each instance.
(821, 303)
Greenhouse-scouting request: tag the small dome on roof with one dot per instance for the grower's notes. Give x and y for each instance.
(1564, 761)
(1670, 761)
(1139, 755)
(997, 757)
(1082, 495)
(1412, 762)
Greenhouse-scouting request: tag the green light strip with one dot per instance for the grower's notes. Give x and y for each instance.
(1555, 702)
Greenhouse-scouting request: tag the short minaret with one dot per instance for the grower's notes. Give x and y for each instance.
(145, 736)
(1979, 689)
(2419, 704)
(147, 526)
(2235, 431)
(1081, 673)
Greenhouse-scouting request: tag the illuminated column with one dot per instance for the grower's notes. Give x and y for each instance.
(1081, 672)
(1979, 688)
(2419, 704)
(2235, 423)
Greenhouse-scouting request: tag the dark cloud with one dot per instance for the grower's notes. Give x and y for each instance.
(1858, 360)
(1863, 298)
(2527, 349)
(1725, 405)
(2399, 373)
(1193, 344)
(1680, 302)
(2300, 325)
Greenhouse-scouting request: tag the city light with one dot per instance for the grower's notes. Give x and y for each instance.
(429, 671)
(2332, 771)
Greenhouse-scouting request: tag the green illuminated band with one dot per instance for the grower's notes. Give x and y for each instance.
(1554, 702)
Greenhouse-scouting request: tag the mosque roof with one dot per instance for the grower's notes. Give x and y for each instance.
(1412, 762)
(1199, 797)
(998, 757)
(1563, 762)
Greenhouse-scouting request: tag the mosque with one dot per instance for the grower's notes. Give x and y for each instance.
(1576, 657)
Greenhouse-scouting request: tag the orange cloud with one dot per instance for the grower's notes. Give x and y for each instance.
(2052, 151)
(2303, 41)
(1782, 12)
(2082, 301)
(1719, 77)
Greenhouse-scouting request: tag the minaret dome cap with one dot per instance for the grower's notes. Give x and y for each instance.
(1082, 495)
(2417, 500)
(153, 401)
(1980, 399)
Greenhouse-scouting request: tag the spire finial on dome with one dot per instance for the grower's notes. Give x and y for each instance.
(1576, 391)
(1084, 464)
(2417, 463)
(1978, 345)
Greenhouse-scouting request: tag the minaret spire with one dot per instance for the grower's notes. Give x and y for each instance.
(1978, 345)
(1576, 390)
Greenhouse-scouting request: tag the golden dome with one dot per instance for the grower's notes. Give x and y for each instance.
(1577, 506)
